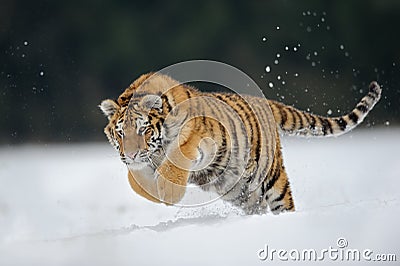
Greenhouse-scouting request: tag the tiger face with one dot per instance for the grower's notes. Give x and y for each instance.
(135, 130)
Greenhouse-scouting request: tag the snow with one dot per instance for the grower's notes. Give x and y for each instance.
(72, 205)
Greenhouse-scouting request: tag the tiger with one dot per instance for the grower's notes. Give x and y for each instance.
(171, 134)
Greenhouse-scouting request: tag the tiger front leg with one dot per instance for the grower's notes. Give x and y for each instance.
(171, 183)
(143, 187)
(173, 173)
(279, 196)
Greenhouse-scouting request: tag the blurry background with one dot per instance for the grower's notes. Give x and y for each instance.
(71, 204)
(59, 59)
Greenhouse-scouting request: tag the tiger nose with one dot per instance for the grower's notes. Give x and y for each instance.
(132, 155)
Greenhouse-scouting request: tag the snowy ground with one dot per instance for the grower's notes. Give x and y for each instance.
(72, 205)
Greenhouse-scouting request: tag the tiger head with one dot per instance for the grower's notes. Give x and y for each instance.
(134, 126)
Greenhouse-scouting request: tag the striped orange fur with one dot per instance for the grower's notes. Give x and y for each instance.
(170, 134)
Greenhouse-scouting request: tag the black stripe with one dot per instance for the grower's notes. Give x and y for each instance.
(308, 122)
(266, 196)
(215, 110)
(300, 115)
(202, 177)
(159, 125)
(210, 128)
(354, 117)
(256, 127)
(203, 119)
(197, 123)
(291, 205)
(249, 117)
(219, 155)
(223, 134)
(312, 124)
(167, 104)
(276, 208)
(294, 118)
(123, 101)
(326, 124)
(341, 123)
(273, 179)
(261, 169)
(198, 104)
(222, 151)
(189, 95)
(362, 108)
(234, 131)
(209, 122)
(283, 193)
(224, 114)
(262, 189)
(283, 116)
(316, 119)
(324, 127)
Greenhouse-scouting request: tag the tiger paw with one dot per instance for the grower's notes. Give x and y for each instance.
(169, 192)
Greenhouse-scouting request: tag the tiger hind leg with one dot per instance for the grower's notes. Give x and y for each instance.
(279, 196)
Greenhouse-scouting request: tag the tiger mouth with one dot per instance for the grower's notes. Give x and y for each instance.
(136, 158)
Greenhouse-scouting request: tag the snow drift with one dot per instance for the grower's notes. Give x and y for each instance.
(72, 205)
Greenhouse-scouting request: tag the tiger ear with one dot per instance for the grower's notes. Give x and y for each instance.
(109, 107)
(151, 101)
